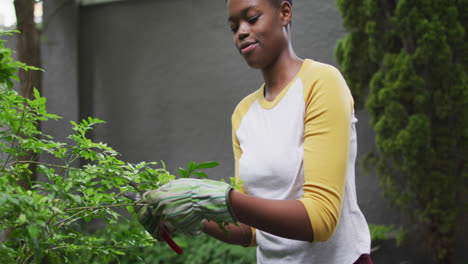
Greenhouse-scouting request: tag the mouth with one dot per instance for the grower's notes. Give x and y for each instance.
(247, 47)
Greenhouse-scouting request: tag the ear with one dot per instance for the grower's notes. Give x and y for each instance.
(286, 13)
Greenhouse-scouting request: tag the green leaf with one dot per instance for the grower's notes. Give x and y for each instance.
(200, 174)
(235, 184)
(22, 219)
(33, 231)
(191, 167)
(36, 94)
(3, 199)
(183, 173)
(75, 198)
(223, 228)
(43, 200)
(207, 165)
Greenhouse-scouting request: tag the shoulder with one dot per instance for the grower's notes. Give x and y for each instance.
(324, 81)
(314, 70)
(243, 107)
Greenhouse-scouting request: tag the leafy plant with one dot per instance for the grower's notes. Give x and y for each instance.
(193, 169)
(45, 221)
(381, 233)
(410, 59)
(197, 249)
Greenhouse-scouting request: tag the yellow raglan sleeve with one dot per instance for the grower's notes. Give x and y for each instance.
(236, 119)
(327, 125)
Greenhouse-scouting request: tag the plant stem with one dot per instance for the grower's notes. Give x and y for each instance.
(73, 220)
(27, 256)
(21, 250)
(45, 164)
(113, 247)
(102, 206)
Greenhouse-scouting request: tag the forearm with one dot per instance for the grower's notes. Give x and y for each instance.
(284, 218)
(238, 235)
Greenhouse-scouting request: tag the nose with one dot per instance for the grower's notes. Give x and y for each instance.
(243, 31)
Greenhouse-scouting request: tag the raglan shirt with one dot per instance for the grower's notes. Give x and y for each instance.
(302, 145)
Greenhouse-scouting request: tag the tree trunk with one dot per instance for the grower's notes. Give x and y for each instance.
(28, 50)
(28, 46)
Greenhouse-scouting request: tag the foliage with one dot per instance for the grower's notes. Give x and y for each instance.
(8, 67)
(411, 57)
(200, 249)
(381, 233)
(194, 169)
(45, 221)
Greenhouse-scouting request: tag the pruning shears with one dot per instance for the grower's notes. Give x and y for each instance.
(166, 236)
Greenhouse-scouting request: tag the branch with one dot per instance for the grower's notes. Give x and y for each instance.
(71, 219)
(102, 206)
(45, 164)
(98, 247)
(62, 223)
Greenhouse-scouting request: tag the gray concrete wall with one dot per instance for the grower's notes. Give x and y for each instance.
(166, 77)
(59, 52)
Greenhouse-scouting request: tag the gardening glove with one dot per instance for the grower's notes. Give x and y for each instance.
(152, 223)
(186, 204)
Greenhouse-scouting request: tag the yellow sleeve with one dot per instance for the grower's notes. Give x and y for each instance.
(236, 119)
(327, 125)
(237, 154)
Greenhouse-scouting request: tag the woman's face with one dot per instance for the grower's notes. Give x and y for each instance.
(258, 31)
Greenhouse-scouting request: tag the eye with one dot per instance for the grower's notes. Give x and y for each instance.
(252, 20)
(234, 28)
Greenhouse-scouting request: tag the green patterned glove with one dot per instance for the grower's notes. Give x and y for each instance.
(185, 204)
(151, 222)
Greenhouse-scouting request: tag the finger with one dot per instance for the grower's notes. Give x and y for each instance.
(153, 225)
(158, 232)
(187, 221)
(153, 197)
(145, 215)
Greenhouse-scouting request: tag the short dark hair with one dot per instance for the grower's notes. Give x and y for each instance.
(277, 3)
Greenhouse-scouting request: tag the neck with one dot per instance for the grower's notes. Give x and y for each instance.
(278, 74)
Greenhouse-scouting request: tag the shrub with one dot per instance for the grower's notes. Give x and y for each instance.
(406, 61)
(45, 221)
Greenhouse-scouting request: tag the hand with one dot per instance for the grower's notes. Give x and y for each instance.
(151, 222)
(185, 204)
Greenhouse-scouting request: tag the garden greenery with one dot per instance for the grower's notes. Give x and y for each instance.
(407, 62)
(45, 219)
(200, 249)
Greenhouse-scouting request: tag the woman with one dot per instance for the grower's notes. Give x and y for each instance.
(294, 144)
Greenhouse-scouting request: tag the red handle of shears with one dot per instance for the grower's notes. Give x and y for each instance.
(171, 242)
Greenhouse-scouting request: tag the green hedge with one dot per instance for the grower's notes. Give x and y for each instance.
(200, 249)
